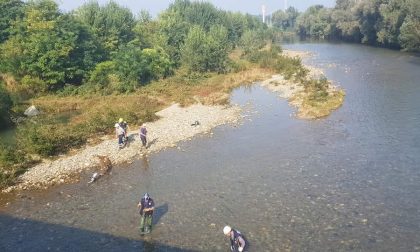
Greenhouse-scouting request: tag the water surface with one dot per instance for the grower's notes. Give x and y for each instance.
(349, 182)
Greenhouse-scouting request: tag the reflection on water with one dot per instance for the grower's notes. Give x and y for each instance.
(349, 182)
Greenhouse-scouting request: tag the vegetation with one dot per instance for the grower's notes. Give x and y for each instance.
(388, 23)
(86, 68)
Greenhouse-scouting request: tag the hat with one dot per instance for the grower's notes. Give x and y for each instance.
(226, 230)
(116, 125)
(121, 120)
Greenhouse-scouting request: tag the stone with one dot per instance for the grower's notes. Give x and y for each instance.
(31, 111)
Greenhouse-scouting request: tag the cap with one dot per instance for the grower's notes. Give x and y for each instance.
(120, 120)
(116, 125)
(226, 230)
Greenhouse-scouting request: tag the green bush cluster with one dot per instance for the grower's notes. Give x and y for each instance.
(47, 139)
(5, 106)
(12, 164)
(288, 67)
(317, 89)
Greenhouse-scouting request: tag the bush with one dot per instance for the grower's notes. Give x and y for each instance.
(47, 140)
(100, 75)
(318, 89)
(5, 106)
(12, 163)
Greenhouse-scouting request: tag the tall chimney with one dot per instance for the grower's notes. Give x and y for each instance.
(263, 12)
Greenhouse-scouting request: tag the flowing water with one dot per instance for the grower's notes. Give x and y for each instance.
(349, 182)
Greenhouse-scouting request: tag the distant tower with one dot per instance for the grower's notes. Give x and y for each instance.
(263, 12)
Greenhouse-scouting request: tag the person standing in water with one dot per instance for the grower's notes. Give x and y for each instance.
(142, 134)
(147, 206)
(237, 240)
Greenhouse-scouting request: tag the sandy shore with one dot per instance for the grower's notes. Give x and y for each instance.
(173, 126)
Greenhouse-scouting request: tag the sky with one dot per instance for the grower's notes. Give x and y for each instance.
(154, 7)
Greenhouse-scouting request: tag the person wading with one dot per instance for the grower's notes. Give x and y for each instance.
(147, 206)
(237, 240)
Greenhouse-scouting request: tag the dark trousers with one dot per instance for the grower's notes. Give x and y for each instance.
(143, 140)
(121, 140)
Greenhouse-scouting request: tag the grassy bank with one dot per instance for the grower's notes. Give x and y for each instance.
(90, 117)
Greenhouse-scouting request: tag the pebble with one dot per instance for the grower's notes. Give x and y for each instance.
(172, 127)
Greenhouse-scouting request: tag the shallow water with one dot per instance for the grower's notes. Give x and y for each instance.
(349, 182)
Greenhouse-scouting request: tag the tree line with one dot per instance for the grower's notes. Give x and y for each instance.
(388, 23)
(107, 49)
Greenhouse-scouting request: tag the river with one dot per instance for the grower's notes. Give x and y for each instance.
(348, 182)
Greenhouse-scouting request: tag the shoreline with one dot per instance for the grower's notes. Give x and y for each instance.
(173, 126)
(296, 94)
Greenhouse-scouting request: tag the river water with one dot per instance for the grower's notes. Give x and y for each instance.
(349, 182)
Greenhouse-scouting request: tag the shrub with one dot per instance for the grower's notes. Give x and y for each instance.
(12, 163)
(5, 106)
(47, 140)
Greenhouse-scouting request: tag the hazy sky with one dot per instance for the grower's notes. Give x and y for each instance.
(249, 6)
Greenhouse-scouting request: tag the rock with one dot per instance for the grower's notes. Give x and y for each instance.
(31, 111)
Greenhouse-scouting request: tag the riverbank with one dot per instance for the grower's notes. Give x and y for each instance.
(173, 126)
(314, 97)
(207, 103)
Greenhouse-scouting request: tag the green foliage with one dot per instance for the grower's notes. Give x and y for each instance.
(409, 37)
(317, 89)
(12, 163)
(48, 46)
(135, 66)
(10, 10)
(390, 23)
(206, 52)
(315, 22)
(100, 75)
(5, 106)
(111, 24)
(285, 20)
(146, 32)
(251, 41)
(48, 139)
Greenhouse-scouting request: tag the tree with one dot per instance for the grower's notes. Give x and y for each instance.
(280, 19)
(393, 14)
(111, 24)
(194, 49)
(218, 48)
(205, 52)
(47, 48)
(10, 10)
(251, 41)
(135, 66)
(146, 32)
(409, 37)
(315, 22)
